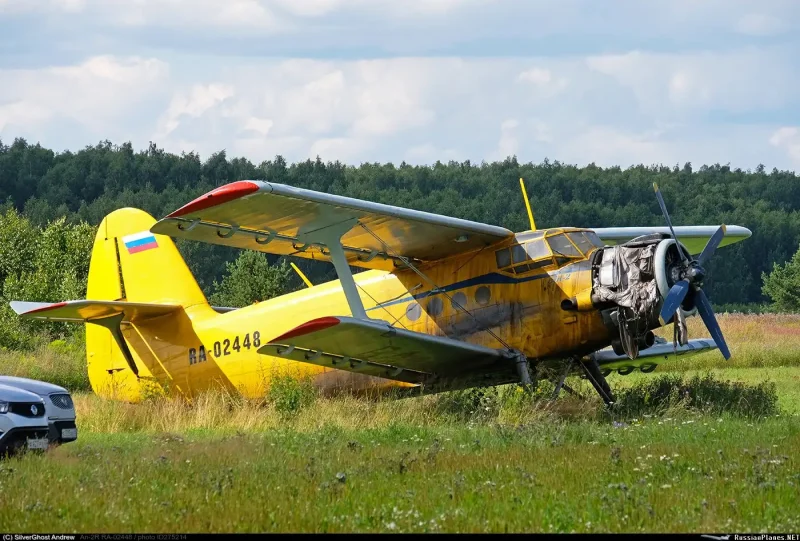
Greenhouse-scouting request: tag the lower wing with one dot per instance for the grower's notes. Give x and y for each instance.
(650, 357)
(376, 348)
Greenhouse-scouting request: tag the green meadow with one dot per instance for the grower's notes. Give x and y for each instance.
(700, 445)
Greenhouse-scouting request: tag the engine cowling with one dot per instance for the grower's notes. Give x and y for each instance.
(666, 266)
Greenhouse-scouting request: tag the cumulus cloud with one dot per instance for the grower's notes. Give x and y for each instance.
(96, 93)
(421, 80)
(788, 139)
(698, 82)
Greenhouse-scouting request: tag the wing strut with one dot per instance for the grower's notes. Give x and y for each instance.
(330, 235)
(112, 323)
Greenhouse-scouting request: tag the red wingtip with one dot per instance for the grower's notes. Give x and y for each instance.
(48, 307)
(220, 195)
(307, 328)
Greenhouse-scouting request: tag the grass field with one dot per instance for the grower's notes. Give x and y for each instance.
(463, 462)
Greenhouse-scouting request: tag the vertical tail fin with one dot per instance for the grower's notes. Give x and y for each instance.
(133, 265)
(129, 263)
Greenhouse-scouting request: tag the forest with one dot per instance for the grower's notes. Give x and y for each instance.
(51, 201)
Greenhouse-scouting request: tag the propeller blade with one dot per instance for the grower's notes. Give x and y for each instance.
(711, 245)
(674, 299)
(704, 307)
(669, 222)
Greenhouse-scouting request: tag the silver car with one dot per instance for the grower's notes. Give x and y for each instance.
(23, 423)
(58, 405)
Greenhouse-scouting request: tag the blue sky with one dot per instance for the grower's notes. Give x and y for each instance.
(614, 82)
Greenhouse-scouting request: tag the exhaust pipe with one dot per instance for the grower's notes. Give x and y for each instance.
(582, 302)
(643, 342)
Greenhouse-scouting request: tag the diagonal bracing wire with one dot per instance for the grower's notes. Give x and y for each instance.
(436, 288)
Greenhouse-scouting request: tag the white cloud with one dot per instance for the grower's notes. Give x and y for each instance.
(690, 82)
(193, 104)
(390, 96)
(317, 8)
(543, 82)
(616, 109)
(94, 93)
(760, 24)
(262, 126)
(429, 153)
(508, 145)
(229, 14)
(346, 149)
(788, 139)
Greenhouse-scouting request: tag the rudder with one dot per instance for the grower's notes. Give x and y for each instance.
(131, 264)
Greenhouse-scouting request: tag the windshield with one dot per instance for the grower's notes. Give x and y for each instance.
(582, 241)
(561, 245)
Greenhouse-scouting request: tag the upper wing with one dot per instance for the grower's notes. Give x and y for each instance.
(280, 219)
(86, 310)
(694, 237)
(378, 349)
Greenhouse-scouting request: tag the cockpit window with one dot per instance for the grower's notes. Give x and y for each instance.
(561, 245)
(524, 257)
(579, 239)
(592, 236)
(518, 254)
(537, 249)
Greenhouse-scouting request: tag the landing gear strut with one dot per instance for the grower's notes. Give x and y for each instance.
(561, 383)
(593, 374)
(523, 370)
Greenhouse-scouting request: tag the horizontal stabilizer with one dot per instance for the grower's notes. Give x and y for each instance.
(658, 352)
(376, 348)
(85, 310)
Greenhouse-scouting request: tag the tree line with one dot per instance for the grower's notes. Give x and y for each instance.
(73, 191)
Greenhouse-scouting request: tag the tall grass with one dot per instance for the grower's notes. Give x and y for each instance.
(508, 406)
(755, 341)
(58, 362)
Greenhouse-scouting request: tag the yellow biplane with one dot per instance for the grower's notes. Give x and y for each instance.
(440, 304)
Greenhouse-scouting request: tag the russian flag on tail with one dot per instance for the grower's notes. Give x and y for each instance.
(139, 242)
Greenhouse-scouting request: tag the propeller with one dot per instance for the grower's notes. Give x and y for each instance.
(691, 274)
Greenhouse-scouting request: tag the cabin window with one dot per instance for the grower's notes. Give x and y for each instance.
(524, 257)
(503, 258)
(537, 249)
(579, 239)
(540, 264)
(561, 245)
(518, 254)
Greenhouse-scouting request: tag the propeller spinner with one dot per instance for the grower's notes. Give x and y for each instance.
(690, 275)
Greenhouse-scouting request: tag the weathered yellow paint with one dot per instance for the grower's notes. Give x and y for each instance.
(524, 310)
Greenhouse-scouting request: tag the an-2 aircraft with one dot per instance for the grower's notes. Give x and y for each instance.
(441, 304)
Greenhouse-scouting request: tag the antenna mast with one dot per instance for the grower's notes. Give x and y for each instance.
(527, 203)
